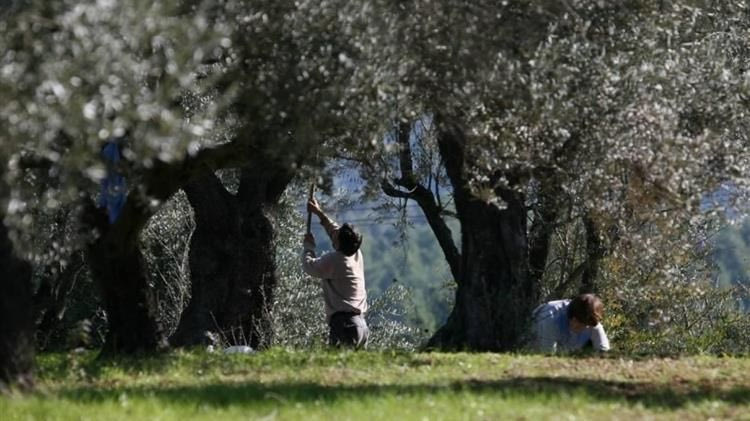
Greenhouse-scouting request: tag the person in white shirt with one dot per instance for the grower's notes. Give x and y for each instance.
(342, 276)
(569, 325)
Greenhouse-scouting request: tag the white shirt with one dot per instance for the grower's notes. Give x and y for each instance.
(551, 329)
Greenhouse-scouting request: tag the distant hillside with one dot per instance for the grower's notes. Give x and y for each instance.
(732, 255)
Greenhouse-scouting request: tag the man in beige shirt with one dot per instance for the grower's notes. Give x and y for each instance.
(343, 280)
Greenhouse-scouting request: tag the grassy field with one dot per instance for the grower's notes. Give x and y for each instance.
(340, 386)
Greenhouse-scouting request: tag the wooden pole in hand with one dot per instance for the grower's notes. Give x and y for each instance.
(309, 215)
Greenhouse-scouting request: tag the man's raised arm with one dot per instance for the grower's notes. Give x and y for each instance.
(329, 224)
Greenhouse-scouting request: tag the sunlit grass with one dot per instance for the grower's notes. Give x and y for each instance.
(322, 384)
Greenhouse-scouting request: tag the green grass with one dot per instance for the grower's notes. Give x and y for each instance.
(329, 385)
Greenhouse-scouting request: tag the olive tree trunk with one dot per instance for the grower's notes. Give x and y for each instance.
(232, 259)
(495, 294)
(16, 319)
(115, 259)
(118, 269)
(52, 298)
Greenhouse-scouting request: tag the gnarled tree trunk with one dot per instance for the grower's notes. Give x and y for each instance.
(129, 298)
(495, 293)
(51, 299)
(232, 258)
(16, 322)
(115, 259)
(212, 255)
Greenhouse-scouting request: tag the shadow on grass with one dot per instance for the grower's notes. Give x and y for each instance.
(60, 365)
(250, 394)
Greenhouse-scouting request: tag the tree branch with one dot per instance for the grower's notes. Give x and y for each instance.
(164, 179)
(391, 191)
(425, 199)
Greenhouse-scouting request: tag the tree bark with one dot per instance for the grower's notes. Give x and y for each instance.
(541, 231)
(129, 297)
(213, 249)
(115, 259)
(495, 295)
(16, 320)
(595, 252)
(51, 300)
(260, 190)
(232, 258)
(425, 199)
(16, 306)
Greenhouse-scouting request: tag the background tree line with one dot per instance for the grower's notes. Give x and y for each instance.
(550, 147)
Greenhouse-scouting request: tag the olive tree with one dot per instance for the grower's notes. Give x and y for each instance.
(297, 96)
(78, 76)
(16, 324)
(556, 111)
(179, 90)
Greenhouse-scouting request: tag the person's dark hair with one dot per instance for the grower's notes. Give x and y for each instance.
(349, 240)
(587, 309)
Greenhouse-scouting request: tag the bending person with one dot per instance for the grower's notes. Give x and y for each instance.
(569, 325)
(343, 280)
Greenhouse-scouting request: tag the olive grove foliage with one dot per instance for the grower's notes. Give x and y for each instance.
(668, 302)
(595, 92)
(168, 80)
(623, 115)
(82, 320)
(298, 319)
(166, 242)
(77, 74)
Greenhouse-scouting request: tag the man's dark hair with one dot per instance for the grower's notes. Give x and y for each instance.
(349, 240)
(587, 309)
